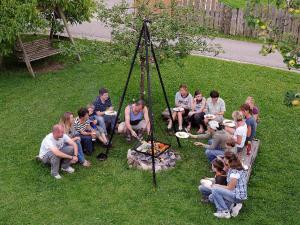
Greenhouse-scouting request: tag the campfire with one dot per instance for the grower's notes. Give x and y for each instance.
(140, 156)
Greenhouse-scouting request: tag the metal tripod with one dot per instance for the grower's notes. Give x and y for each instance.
(145, 34)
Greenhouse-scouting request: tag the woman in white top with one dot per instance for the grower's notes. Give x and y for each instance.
(240, 133)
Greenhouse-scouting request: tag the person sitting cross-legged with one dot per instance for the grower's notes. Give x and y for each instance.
(136, 120)
(230, 197)
(57, 149)
(217, 166)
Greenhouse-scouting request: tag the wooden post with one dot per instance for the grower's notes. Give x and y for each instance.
(26, 59)
(63, 17)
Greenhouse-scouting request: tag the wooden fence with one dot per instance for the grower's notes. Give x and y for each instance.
(227, 20)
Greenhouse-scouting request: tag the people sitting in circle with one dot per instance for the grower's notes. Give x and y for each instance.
(217, 166)
(136, 121)
(103, 104)
(67, 121)
(217, 143)
(58, 150)
(215, 106)
(255, 110)
(87, 134)
(197, 113)
(228, 198)
(184, 101)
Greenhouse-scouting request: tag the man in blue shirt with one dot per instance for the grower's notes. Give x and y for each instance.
(102, 106)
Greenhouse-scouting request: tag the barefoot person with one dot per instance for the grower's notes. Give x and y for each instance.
(57, 149)
(197, 113)
(136, 120)
(184, 100)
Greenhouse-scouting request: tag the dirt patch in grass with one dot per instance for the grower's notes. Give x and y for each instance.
(48, 66)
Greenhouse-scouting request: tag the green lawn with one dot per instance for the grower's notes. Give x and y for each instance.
(111, 193)
(242, 3)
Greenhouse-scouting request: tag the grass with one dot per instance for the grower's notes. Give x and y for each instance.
(242, 3)
(111, 193)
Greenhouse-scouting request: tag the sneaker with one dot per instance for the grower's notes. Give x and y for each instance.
(223, 214)
(86, 163)
(57, 177)
(68, 170)
(236, 209)
(38, 159)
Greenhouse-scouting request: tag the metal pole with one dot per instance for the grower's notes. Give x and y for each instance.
(103, 156)
(150, 112)
(163, 87)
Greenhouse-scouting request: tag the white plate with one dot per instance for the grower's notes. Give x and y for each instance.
(182, 135)
(178, 109)
(110, 113)
(227, 121)
(210, 116)
(206, 182)
(229, 124)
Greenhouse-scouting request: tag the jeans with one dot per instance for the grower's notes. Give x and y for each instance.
(223, 198)
(87, 144)
(102, 120)
(204, 190)
(213, 153)
(56, 161)
(81, 158)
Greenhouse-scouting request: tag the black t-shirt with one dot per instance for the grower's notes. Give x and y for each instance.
(221, 179)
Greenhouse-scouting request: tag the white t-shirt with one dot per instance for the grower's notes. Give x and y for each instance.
(235, 175)
(241, 131)
(50, 142)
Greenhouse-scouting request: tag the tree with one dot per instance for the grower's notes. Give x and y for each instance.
(17, 16)
(174, 29)
(273, 40)
(27, 16)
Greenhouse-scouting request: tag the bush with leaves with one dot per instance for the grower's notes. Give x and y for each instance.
(16, 17)
(272, 38)
(20, 16)
(174, 30)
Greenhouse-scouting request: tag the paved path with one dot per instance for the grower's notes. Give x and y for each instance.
(238, 51)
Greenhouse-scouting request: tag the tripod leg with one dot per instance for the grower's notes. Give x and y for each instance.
(125, 88)
(163, 87)
(147, 41)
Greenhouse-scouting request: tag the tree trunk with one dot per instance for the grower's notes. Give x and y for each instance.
(142, 82)
(1, 62)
